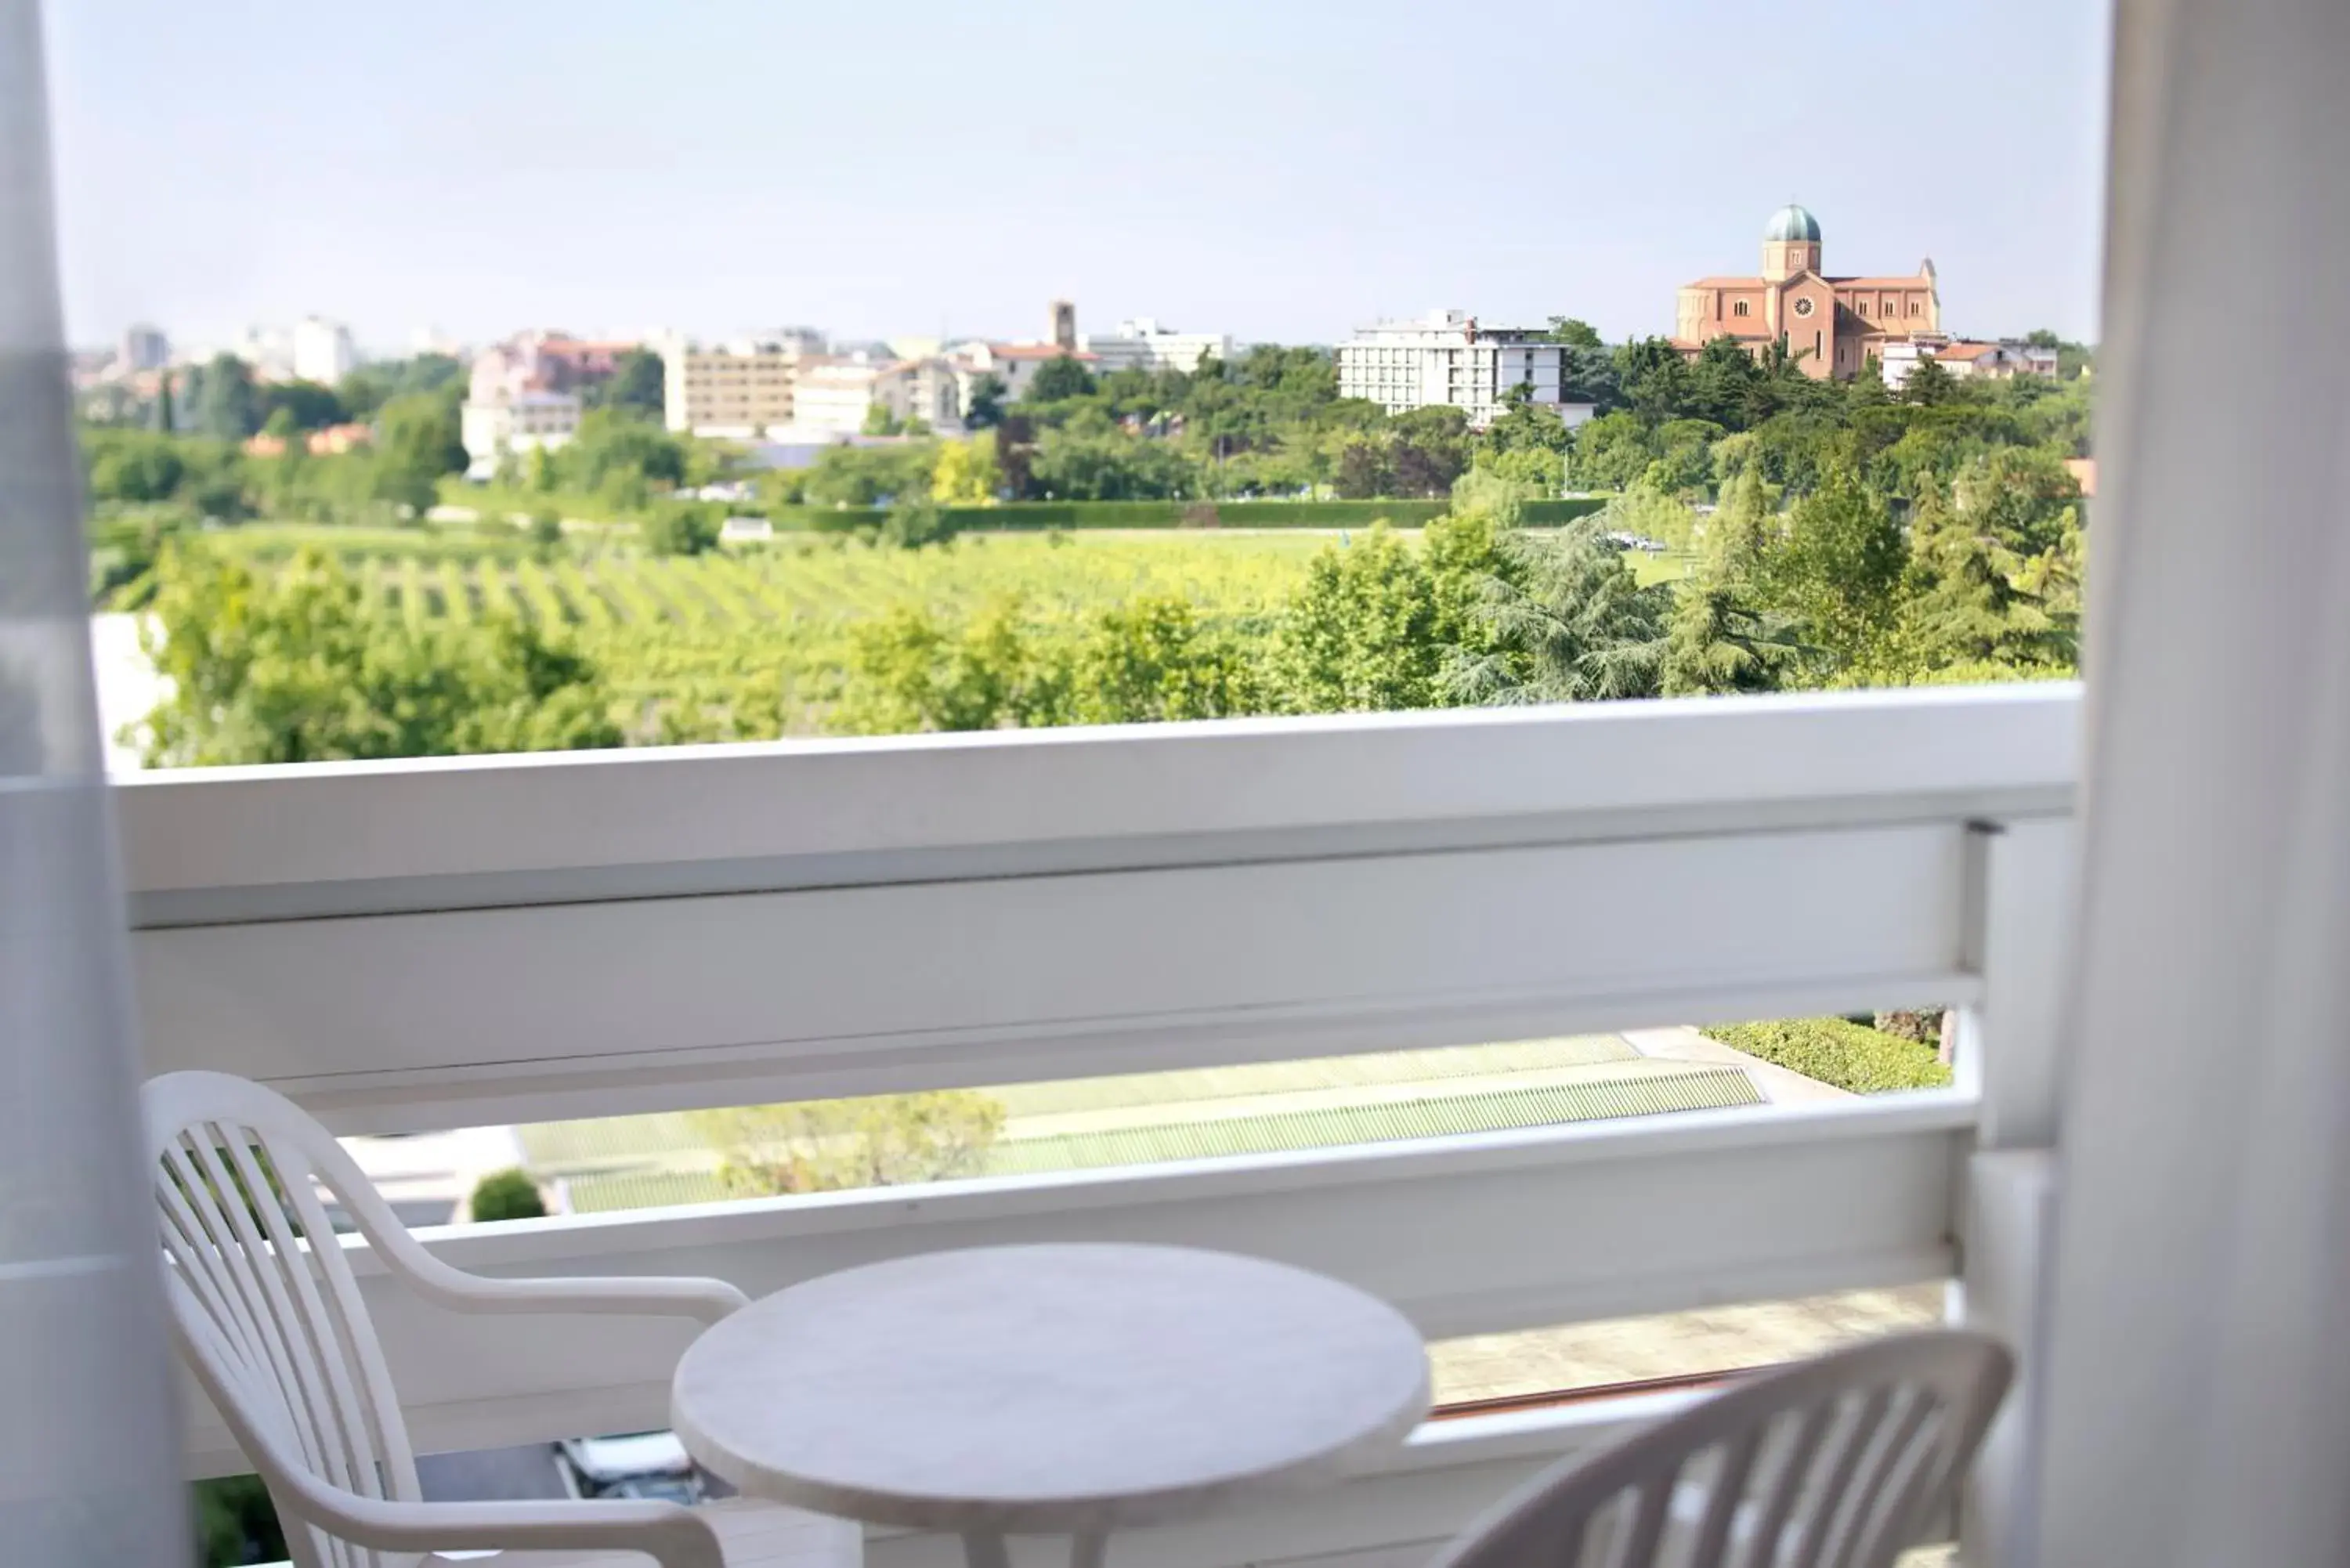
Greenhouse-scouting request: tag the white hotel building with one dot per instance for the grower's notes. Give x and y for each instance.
(1445, 357)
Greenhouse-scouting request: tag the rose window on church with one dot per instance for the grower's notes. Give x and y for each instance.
(1803, 308)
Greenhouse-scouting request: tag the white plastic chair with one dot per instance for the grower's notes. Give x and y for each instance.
(1836, 1462)
(268, 1316)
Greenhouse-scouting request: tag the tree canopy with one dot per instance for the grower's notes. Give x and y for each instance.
(295, 667)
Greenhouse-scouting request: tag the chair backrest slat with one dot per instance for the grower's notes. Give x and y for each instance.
(265, 1306)
(1727, 1495)
(1833, 1463)
(1794, 1468)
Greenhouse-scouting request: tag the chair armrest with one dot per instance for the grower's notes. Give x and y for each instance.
(705, 1300)
(672, 1536)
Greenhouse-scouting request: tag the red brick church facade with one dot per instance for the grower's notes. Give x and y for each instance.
(1831, 323)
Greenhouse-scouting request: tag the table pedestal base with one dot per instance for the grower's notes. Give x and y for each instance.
(981, 1549)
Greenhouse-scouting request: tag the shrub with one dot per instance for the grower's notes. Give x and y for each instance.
(505, 1194)
(680, 530)
(1851, 1056)
(235, 1522)
(916, 521)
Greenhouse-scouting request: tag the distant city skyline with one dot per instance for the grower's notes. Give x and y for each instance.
(925, 169)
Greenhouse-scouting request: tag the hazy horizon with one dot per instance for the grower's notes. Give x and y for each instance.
(926, 169)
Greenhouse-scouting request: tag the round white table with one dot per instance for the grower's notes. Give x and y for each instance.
(1048, 1390)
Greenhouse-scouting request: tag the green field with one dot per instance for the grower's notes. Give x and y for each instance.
(762, 627)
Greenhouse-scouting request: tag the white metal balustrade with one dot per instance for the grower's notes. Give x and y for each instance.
(458, 941)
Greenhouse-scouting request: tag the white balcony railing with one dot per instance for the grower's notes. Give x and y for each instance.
(453, 942)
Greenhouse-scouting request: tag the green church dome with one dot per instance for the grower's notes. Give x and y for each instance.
(1792, 222)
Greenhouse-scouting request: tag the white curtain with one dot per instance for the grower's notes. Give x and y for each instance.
(2196, 1407)
(89, 1447)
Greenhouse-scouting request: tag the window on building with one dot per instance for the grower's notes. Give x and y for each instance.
(1739, 308)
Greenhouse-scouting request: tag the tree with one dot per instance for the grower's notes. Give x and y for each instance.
(1721, 380)
(880, 421)
(1089, 462)
(1428, 449)
(908, 670)
(1721, 638)
(299, 666)
(1840, 571)
(1928, 385)
(416, 443)
(1581, 627)
(1716, 642)
(1611, 451)
(1059, 378)
(611, 454)
(508, 1194)
(828, 1145)
(1740, 533)
(306, 405)
(1151, 660)
(984, 402)
(1655, 378)
(227, 409)
(678, 529)
(1573, 333)
(966, 473)
(1360, 633)
(638, 384)
(369, 388)
(134, 466)
(1964, 603)
(1526, 426)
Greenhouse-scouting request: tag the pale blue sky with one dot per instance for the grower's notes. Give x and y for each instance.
(1279, 171)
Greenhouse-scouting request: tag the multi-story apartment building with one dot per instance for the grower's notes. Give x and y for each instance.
(734, 390)
(513, 424)
(144, 347)
(831, 397)
(835, 397)
(541, 361)
(1141, 344)
(1013, 364)
(1446, 358)
(1963, 358)
(323, 351)
(926, 390)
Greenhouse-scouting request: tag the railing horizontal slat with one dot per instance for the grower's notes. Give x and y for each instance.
(463, 1017)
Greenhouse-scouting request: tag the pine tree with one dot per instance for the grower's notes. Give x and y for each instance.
(1572, 624)
(1966, 604)
(1721, 637)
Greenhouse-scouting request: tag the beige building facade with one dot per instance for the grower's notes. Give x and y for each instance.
(1831, 324)
(735, 390)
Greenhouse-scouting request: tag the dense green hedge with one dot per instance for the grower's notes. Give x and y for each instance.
(1074, 515)
(1838, 1051)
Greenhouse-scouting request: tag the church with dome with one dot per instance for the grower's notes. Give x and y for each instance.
(1831, 324)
